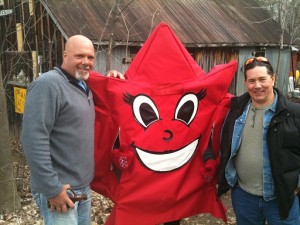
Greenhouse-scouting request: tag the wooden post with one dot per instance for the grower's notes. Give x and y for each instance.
(20, 43)
(34, 64)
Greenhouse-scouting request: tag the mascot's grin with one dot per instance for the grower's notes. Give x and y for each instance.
(168, 160)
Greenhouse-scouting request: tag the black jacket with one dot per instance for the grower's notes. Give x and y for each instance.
(283, 140)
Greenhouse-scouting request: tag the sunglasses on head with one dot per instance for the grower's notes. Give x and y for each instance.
(258, 59)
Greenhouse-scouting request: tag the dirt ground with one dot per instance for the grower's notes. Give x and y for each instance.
(207, 219)
(101, 206)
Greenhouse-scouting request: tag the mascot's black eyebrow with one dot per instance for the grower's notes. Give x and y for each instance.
(201, 94)
(128, 98)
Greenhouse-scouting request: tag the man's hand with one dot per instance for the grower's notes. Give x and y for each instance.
(116, 74)
(296, 190)
(61, 202)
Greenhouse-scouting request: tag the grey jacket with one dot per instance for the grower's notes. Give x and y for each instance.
(58, 133)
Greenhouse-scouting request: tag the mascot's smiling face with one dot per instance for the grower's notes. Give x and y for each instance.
(146, 113)
(166, 105)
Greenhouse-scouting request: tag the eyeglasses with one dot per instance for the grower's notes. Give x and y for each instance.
(259, 59)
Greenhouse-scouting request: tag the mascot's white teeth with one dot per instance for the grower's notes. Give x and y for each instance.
(164, 162)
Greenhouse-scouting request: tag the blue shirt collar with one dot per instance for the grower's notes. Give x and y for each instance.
(274, 104)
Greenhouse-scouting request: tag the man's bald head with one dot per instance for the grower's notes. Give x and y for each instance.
(79, 56)
(76, 40)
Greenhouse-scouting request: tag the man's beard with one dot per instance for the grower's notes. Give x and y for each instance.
(81, 76)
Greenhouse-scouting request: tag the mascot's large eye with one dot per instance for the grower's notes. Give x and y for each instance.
(187, 108)
(145, 110)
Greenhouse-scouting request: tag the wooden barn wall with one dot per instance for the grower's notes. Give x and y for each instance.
(281, 65)
(295, 63)
(207, 58)
(119, 53)
(244, 54)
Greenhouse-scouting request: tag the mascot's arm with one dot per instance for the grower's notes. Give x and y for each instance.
(212, 153)
(106, 130)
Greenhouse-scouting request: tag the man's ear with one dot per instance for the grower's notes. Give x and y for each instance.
(274, 80)
(64, 55)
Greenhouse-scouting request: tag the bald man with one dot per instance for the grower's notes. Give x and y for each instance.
(58, 136)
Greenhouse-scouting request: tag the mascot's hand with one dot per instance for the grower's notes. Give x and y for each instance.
(122, 159)
(210, 170)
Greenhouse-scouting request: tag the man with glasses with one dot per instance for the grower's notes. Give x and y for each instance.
(260, 151)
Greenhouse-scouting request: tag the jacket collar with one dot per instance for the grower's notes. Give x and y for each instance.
(240, 102)
(281, 103)
(66, 75)
(71, 79)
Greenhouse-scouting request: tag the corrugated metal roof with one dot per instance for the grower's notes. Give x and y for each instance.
(196, 22)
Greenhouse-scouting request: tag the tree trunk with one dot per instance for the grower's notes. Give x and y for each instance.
(9, 198)
(111, 28)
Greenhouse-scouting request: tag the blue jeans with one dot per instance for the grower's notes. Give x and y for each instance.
(80, 215)
(254, 210)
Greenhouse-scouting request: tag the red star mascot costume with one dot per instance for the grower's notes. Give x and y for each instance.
(167, 116)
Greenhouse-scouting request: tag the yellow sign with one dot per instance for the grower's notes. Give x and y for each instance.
(19, 94)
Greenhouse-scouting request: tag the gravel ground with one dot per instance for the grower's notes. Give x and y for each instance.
(101, 206)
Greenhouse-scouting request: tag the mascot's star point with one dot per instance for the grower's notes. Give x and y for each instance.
(167, 116)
